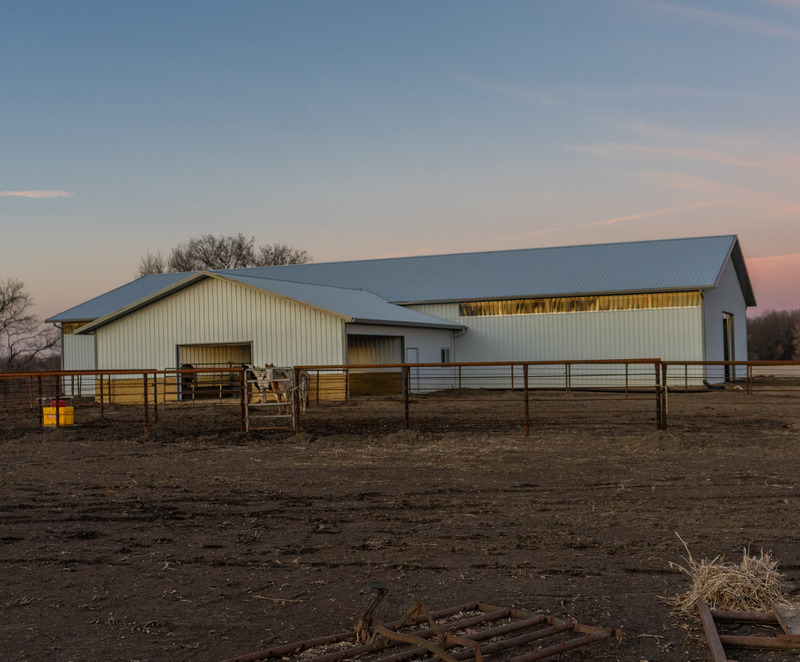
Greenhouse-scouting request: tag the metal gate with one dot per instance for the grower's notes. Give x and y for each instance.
(269, 398)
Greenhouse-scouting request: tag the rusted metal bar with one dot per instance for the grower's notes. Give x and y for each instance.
(243, 400)
(766, 643)
(296, 400)
(406, 392)
(664, 410)
(307, 644)
(557, 649)
(57, 402)
(155, 395)
(760, 617)
(39, 391)
(507, 644)
(527, 400)
(658, 395)
(712, 636)
(488, 649)
(146, 407)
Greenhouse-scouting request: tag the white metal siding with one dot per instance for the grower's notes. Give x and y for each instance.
(667, 333)
(77, 352)
(429, 341)
(218, 311)
(726, 297)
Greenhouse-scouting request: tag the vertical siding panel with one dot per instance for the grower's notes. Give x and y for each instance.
(218, 311)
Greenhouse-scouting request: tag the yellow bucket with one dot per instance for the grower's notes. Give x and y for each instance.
(65, 415)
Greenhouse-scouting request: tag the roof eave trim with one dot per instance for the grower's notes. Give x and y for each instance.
(452, 326)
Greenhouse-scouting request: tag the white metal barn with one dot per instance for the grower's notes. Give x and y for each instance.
(678, 299)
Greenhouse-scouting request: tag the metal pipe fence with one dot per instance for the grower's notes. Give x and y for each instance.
(490, 396)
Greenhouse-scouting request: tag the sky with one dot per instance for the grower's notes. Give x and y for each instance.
(360, 129)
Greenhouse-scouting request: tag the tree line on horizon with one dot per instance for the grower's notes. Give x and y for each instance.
(220, 252)
(774, 336)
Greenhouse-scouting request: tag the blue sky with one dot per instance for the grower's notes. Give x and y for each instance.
(361, 129)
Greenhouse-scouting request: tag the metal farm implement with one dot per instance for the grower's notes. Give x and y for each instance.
(467, 632)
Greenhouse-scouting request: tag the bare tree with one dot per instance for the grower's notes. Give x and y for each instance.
(221, 252)
(152, 263)
(23, 339)
(281, 254)
(796, 330)
(774, 336)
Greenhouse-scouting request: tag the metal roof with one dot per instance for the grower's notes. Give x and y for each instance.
(359, 305)
(640, 266)
(353, 305)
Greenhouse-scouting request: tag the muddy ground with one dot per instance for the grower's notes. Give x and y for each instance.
(200, 542)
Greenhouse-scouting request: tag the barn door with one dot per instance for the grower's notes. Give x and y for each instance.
(216, 383)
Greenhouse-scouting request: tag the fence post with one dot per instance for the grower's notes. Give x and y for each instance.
(155, 394)
(406, 391)
(58, 402)
(243, 399)
(146, 405)
(296, 401)
(657, 367)
(527, 400)
(664, 408)
(39, 397)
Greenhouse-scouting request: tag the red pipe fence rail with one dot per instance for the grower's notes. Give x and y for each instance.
(522, 395)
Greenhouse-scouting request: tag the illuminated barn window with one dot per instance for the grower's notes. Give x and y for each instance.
(599, 303)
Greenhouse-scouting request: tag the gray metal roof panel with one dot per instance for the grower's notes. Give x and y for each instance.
(670, 264)
(359, 305)
(117, 298)
(661, 265)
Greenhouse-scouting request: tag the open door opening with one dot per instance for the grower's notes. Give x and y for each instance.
(211, 379)
(728, 346)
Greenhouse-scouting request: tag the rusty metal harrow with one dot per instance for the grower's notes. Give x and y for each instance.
(473, 631)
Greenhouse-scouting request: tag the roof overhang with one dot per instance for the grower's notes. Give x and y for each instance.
(182, 285)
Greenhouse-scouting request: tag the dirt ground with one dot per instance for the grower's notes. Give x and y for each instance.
(190, 543)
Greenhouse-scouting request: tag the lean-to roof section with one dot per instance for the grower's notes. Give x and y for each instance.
(351, 305)
(119, 297)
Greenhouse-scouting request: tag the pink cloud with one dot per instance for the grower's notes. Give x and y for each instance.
(36, 194)
(776, 282)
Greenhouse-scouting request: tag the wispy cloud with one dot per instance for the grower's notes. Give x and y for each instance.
(614, 149)
(652, 213)
(789, 4)
(664, 93)
(687, 182)
(730, 21)
(36, 194)
(508, 90)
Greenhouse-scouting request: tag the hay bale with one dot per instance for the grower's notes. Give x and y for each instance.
(752, 585)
